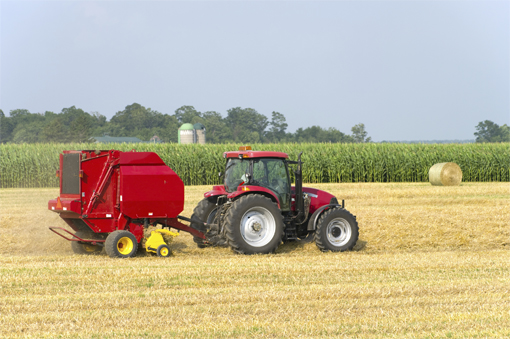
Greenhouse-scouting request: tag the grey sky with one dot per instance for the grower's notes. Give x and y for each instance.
(409, 70)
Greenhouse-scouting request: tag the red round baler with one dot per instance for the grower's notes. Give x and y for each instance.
(109, 197)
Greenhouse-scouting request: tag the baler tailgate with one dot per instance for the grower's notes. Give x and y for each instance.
(71, 173)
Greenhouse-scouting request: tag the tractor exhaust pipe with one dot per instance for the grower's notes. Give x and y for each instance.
(300, 205)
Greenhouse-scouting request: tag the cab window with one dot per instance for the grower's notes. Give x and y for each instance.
(272, 173)
(235, 173)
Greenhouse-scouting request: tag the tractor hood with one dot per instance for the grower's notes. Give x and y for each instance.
(318, 198)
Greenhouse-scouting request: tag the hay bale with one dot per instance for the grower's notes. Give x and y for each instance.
(445, 174)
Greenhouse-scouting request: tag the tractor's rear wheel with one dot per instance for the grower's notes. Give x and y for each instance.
(121, 244)
(253, 225)
(205, 211)
(87, 248)
(337, 231)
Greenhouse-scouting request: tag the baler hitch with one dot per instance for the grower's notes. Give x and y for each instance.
(209, 230)
(197, 224)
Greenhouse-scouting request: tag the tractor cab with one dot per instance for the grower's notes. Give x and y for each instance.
(268, 170)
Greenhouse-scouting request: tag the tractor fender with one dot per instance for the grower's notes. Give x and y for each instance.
(312, 223)
(257, 190)
(215, 192)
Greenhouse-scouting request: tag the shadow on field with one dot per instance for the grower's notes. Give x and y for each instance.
(360, 245)
(309, 244)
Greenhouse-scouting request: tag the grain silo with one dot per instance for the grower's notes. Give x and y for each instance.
(199, 133)
(187, 134)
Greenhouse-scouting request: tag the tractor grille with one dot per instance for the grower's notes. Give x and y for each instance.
(71, 173)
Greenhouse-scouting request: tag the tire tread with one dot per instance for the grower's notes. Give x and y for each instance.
(203, 209)
(320, 242)
(235, 244)
(110, 244)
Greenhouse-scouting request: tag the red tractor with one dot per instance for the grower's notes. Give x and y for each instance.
(257, 208)
(109, 198)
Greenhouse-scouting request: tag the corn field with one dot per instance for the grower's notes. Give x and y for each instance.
(34, 165)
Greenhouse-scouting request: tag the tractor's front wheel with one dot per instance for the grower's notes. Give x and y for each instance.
(121, 244)
(337, 231)
(87, 248)
(253, 225)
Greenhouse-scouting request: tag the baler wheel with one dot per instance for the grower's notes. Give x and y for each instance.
(86, 249)
(254, 224)
(163, 251)
(121, 244)
(337, 231)
(205, 211)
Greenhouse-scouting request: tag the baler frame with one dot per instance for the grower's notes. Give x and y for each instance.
(106, 192)
(77, 238)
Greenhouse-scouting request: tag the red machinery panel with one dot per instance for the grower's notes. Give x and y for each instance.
(150, 191)
(92, 169)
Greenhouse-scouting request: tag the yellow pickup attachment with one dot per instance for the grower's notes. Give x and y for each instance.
(155, 243)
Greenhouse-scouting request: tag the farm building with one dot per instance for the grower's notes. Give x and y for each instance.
(200, 133)
(192, 134)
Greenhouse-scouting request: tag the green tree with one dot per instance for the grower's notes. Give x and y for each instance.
(25, 126)
(243, 122)
(6, 128)
(17, 113)
(77, 122)
(488, 131)
(216, 128)
(186, 114)
(278, 127)
(54, 131)
(359, 134)
(27, 133)
(101, 119)
(318, 134)
(80, 129)
(136, 121)
(504, 133)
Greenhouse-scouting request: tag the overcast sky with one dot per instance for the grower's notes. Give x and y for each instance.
(408, 70)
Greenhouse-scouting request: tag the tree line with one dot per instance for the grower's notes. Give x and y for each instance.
(241, 125)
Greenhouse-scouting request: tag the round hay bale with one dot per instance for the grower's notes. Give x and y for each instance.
(445, 174)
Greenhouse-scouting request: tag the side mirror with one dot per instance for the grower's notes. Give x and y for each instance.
(220, 174)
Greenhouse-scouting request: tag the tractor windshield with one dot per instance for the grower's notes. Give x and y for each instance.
(236, 173)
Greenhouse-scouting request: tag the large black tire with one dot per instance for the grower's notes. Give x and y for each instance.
(85, 249)
(121, 244)
(337, 231)
(204, 211)
(254, 224)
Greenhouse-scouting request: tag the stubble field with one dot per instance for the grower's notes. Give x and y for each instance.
(432, 262)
